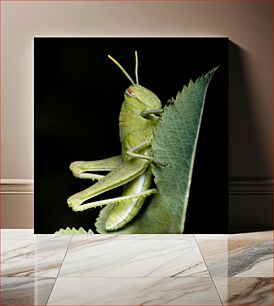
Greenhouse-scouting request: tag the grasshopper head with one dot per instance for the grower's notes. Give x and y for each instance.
(141, 95)
(137, 93)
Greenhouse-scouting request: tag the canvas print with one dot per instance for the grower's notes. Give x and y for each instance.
(147, 164)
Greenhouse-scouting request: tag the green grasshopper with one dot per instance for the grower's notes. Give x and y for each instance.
(138, 117)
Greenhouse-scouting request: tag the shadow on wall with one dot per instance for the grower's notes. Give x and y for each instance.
(250, 197)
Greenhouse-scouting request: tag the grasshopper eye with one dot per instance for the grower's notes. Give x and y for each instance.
(130, 93)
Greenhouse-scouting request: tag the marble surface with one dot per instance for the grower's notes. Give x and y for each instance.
(133, 258)
(250, 258)
(28, 235)
(25, 290)
(39, 257)
(134, 291)
(215, 254)
(245, 290)
(265, 235)
(136, 269)
(241, 255)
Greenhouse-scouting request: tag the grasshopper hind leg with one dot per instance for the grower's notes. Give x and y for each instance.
(123, 174)
(82, 169)
(123, 213)
(126, 207)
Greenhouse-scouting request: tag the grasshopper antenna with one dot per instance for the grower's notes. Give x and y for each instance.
(136, 67)
(123, 70)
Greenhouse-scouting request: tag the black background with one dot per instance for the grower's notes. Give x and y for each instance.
(78, 95)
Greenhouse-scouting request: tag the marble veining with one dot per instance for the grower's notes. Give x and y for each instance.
(131, 258)
(25, 290)
(245, 290)
(253, 259)
(253, 291)
(134, 291)
(33, 258)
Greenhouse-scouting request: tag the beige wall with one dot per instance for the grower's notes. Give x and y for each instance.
(247, 24)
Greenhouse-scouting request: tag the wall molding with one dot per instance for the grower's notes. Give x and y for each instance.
(16, 181)
(16, 186)
(250, 186)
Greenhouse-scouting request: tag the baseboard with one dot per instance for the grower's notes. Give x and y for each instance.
(250, 205)
(16, 203)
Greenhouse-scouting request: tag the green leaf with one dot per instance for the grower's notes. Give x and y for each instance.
(73, 231)
(174, 142)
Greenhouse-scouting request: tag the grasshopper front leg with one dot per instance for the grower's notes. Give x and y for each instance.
(131, 152)
(148, 112)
